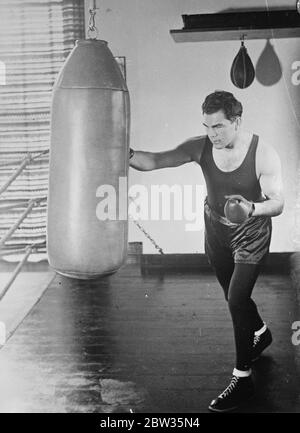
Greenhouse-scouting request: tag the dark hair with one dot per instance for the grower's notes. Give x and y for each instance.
(221, 100)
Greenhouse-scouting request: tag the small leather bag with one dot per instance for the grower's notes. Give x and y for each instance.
(242, 71)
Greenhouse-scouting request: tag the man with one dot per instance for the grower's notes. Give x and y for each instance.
(244, 190)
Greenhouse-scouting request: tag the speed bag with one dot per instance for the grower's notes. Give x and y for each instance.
(242, 71)
(89, 149)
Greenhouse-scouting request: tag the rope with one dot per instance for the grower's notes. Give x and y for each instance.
(13, 205)
(29, 249)
(14, 175)
(31, 204)
(16, 271)
(12, 252)
(14, 162)
(26, 160)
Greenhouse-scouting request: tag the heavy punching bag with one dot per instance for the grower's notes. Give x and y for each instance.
(242, 71)
(89, 148)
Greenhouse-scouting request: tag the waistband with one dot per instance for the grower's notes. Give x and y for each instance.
(217, 217)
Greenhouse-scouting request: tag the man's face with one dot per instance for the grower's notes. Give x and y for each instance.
(220, 130)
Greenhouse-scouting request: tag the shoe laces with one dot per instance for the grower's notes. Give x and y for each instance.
(256, 340)
(230, 387)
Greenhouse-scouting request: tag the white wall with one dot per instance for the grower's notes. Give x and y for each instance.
(168, 82)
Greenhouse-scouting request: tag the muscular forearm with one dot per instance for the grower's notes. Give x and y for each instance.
(270, 207)
(143, 161)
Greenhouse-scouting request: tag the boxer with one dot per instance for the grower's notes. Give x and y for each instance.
(244, 191)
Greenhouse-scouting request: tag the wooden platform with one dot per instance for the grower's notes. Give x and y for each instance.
(144, 343)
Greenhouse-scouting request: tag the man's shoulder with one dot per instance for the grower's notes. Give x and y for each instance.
(194, 146)
(266, 155)
(265, 149)
(198, 140)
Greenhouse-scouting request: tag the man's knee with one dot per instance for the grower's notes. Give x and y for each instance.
(238, 304)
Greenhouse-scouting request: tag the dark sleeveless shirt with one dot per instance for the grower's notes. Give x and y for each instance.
(242, 180)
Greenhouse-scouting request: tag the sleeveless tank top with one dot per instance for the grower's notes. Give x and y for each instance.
(242, 180)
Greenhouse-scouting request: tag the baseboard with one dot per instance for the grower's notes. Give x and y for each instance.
(276, 262)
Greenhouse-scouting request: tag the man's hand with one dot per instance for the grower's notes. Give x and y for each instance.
(237, 209)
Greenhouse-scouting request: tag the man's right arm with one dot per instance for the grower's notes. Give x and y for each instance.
(146, 161)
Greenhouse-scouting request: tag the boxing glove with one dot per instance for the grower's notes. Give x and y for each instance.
(237, 209)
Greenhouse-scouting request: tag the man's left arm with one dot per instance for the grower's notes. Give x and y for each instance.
(270, 179)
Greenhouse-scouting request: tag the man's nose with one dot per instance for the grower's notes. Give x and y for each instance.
(212, 132)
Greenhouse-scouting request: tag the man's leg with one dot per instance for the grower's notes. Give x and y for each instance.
(245, 317)
(245, 320)
(224, 271)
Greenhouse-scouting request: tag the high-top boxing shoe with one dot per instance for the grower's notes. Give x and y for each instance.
(237, 392)
(260, 343)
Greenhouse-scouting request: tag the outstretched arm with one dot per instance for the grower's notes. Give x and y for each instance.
(146, 161)
(270, 179)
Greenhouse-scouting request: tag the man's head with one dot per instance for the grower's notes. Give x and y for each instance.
(222, 118)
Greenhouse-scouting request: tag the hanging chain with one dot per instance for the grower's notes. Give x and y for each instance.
(148, 237)
(145, 232)
(92, 31)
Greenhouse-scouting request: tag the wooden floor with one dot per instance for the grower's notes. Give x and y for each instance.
(138, 343)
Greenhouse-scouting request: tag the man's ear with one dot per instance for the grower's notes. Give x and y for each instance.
(238, 122)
